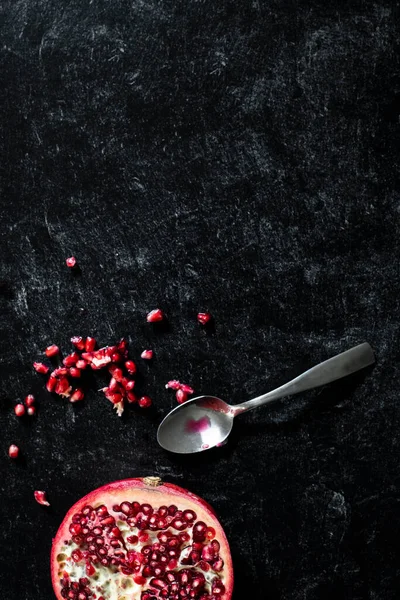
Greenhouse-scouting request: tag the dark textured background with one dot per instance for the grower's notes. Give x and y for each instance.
(240, 156)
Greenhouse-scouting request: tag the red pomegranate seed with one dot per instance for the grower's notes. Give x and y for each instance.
(181, 396)
(31, 411)
(186, 388)
(174, 384)
(19, 410)
(113, 397)
(155, 315)
(210, 533)
(116, 357)
(78, 342)
(87, 356)
(13, 451)
(90, 344)
(131, 397)
(40, 498)
(30, 400)
(129, 385)
(70, 360)
(60, 372)
(71, 262)
(117, 374)
(113, 385)
(77, 395)
(203, 318)
(145, 402)
(130, 367)
(40, 368)
(139, 579)
(74, 372)
(81, 364)
(51, 384)
(90, 570)
(52, 350)
(63, 387)
(147, 354)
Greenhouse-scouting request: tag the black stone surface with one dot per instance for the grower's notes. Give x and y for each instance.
(241, 157)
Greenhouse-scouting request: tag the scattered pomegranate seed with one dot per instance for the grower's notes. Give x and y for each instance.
(77, 395)
(70, 360)
(40, 498)
(145, 402)
(130, 366)
(31, 411)
(52, 350)
(117, 374)
(147, 354)
(131, 397)
(71, 262)
(51, 383)
(74, 372)
(129, 386)
(116, 357)
(30, 400)
(63, 387)
(19, 410)
(155, 315)
(78, 342)
(173, 384)
(13, 451)
(181, 396)
(81, 364)
(60, 372)
(186, 388)
(203, 318)
(87, 356)
(90, 344)
(40, 368)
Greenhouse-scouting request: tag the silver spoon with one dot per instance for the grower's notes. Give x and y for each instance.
(206, 421)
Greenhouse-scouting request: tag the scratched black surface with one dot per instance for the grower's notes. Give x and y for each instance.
(240, 157)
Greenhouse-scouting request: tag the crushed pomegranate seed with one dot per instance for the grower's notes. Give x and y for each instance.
(31, 411)
(147, 354)
(40, 368)
(19, 410)
(181, 396)
(78, 342)
(203, 318)
(30, 400)
(145, 402)
(130, 366)
(71, 262)
(13, 451)
(40, 497)
(77, 395)
(52, 350)
(155, 316)
(90, 344)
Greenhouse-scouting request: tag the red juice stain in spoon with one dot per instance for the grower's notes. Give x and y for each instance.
(193, 426)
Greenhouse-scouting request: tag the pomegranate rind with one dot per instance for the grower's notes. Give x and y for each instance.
(154, 492)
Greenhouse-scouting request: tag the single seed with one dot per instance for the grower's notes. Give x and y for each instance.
(130, 367)
(181, 396)
(145, 402)
(71, 262)
(19, 410)
(116, 357)
(90, 344)
(30, 400)
(131, 397)
(78, 342)
(147, 354)
(203, 318)
(77, 396)
(52, 350)
(31, 411)
(40, 497)
(74, 372)
(70, 360)
(51, 384)
(40, 368)
(63, 387)
(130, 385)
(155, 316)
(186, 388)
(13, 451)
(117, 374)
(81, 364)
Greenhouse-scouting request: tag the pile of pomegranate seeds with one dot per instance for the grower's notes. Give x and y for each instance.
(62, 380)
(183, 391)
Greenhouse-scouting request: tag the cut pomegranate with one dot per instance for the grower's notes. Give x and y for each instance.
(204, 318)
(40, 368)
(145, 402)
(30, 400)
(19, 410)
(52, 350)
(40, 498)
(13, 451)
(143, 536)
(70, 262)
(155, 316)
(147, 354)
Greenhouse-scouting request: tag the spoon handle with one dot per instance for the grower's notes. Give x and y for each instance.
(334, 368)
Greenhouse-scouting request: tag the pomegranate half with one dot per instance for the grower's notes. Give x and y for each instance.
(141, 539)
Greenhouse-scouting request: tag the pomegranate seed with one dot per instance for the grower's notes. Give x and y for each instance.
(173, 384)
(74, 372)
(78, 342)
(90, 570)
(129, 385)
(60, 372)
(40, 498)
(113, 385)
(117, 374)
(116, 357)
(113, 397)
(70, 360)
(87, 356)
(145, 402)
(130, 367)
(77, 395)
(90, 344)
(81, 364)
(52, 350)
(71, 262)
(51, 384)
(63, 387)
(139, 580)
(147, 354)
(203, 318)
(40, 368)
(186, 388)
(13, 451)
(154, 316)
(181, 396)
(31, 411)
(210, 533)
(131, 397)
(19, 410)
(30, 400)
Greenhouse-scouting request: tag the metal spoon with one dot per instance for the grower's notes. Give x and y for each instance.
(206, 421)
